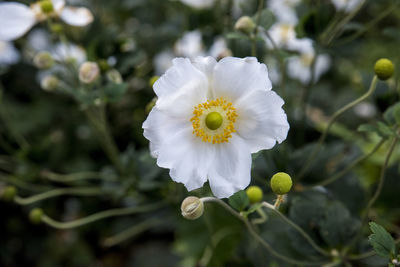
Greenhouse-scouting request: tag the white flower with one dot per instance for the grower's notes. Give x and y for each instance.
(8, 53)
(199, 3)
(299, 67)
(162, 61)
(284, 36)
(16, 18)
(190, 45)
(68, 53)
(346, 5)
(284, 10)
(210, 117)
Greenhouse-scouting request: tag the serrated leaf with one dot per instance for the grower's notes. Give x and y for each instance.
(239, 200)
(382, 241)
(392, 114)
(384, 129)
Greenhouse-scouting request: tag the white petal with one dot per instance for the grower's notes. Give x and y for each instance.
(236, 77)
(8, 53)
(190, 45)
(230, 170)
(63, 52)
(262, 122)
(76, 16)
(15, 20)
(205, 65)
(58, 5)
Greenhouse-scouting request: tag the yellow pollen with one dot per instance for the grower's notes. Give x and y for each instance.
(223, 132)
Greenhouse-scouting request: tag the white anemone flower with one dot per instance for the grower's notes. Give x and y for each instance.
(208, 119)
(199, 4)
(8, 54)
(347, 6)
(16, 18)
(284, 10)
(190, 45)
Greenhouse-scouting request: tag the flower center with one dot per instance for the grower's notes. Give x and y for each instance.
(213, 121)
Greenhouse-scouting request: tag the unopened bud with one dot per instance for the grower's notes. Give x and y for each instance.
(36, 215)
(114, 76)
(89, 72)
(254, 193)
(192, 208)
(56, 28)
(9, 193)
(153, 80)
(384, 69)
(245, 24)
(150, 105)
(43, 60)
(46, 6)
(49, 83)
(281, 183)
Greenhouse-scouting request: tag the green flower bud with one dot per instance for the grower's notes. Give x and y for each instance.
(192, 208)
(384, 69)
(36, 215)
(281, 183)
(153, 80)
(46, 6)
(9, 193)
(43, 60)
(245, 24)
(49, 83)
(89, 72)
(56, 28)
(254, 193)
(103, 64)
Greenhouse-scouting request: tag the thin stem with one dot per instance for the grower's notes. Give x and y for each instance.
(251, 230)
(313, 154)
(297, 228)
(378, 190)
(131, 232)
(24, 185)
(72, 177)
(78, 191)
(340, 174)
(99, 216)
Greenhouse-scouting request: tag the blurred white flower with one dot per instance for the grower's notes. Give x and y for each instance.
(89, 72)
(284, 10)
(16, 18)
(8, 54)
(208, 119)
(39, 40)
(299, 67)
(68, 53)
(190, 45)
(346, 5)
(365, 110)
(199, 3)
(162, 61)
(219, 49)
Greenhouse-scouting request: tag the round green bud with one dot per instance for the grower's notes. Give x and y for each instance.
(214, 120)
(153, 80)
(9, 193)
(254, 193)
(281, 183)
(384, 69)
(46, 6)
(36, 215)
(245, 24)
(43, 60)
(56, 28)
(192, 208)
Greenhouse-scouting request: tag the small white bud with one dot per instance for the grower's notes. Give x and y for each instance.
(245, 24)
(43, 60)
(89, 72)
(192, 208)
(49, 83)
(114, 76)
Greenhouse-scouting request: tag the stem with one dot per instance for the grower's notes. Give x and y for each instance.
(131, 232)
(372, 201)
(297, 228)
(78, 191)
(24, 185)
(72, 177)
(348, 168)
(99, 216)
(310, 159)
(254, 37)
(278, 202)
(251, 230)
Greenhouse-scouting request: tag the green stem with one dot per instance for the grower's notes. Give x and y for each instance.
(372, 201)
(313, 154)
(348, 168)
(297, 228)
(24, 185)
(78, 191)
(72, 177)
(131, 232)
(251, 230)
(99, 216)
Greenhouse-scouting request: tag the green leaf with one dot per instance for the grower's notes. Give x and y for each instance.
(382, 241)
(115, 91)
(239, 200)
(267, 18)
(384, 129)
(369, 128)
(392, 114)
(236, 35)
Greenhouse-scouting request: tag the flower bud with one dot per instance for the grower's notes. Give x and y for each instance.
(254, 193)
(245, 24)
(49, 83)
(36, 215)
(89, 72)
(9, 193)
(192, 208)
(153, 80)
(43, 60)
(384, 69)
(56, 28)
(281, 183)
(114, 76)
(46, 6)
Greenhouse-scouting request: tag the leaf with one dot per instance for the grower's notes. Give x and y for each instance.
(384, 129)
(382, 241)
(236, 35)
(392, 114)
(369, 128)
(239, 200)
(267, 18)
(115, 91)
